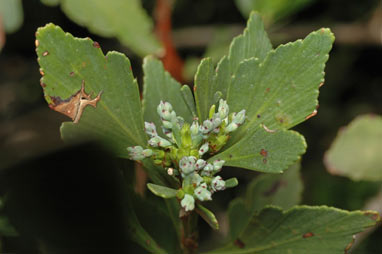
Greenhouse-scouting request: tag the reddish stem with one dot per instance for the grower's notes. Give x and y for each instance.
(171, 60)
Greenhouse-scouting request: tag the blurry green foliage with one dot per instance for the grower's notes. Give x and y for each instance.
(356, 152)
(272, 10)
(11, 13)
(124, 19)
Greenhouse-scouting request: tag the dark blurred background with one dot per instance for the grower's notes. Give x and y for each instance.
(353, 86)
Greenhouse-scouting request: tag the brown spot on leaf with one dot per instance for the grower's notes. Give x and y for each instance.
(239, 243)
(265, 161)
(75, 104)
(194, 88)
(148, 242)
(321, 84)
(258, 116)
(311, 115)
(307, 235)
(71, 73)
(96, 45)
(42, 72)
(372, 215)
(348, 247)
(264, 153)
(43, 85)
(45, 53)
(267, 90)
(230, 156)
(37, 43)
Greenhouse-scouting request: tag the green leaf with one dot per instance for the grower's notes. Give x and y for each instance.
(239, 217)
(66, 62)
(124, 19)
(282, 91)
(204, 88)
(283, 190)
(11, 13)
(208, 216)
(356, 151)
(188, 98)
(272, 11)
(161, 191)
(300, 230)
(159, 85)
(276, 89)
(264, 151)
(277, 94)
(253, 42)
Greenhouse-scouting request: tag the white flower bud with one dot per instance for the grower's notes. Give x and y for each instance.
(203, 149)
(167, 124)
(206, 127)
(217, 184)
(202, 193)
(165, 111)
(136, 153)
(150, 129)
(188, 202)
(231, 127)
(216, 130)
(208, 168)
(170, 171)
(239, 117)
(200, 164)
(223, 109)
(187, 164)
(196, 179)
(218, 164)
(159, 141)
(216, 121)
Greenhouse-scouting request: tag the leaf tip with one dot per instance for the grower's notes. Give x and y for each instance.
(372, 215)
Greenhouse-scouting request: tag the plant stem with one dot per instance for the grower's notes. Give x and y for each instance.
(189, 233)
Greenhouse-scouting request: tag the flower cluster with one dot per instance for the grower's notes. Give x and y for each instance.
(181, 152)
